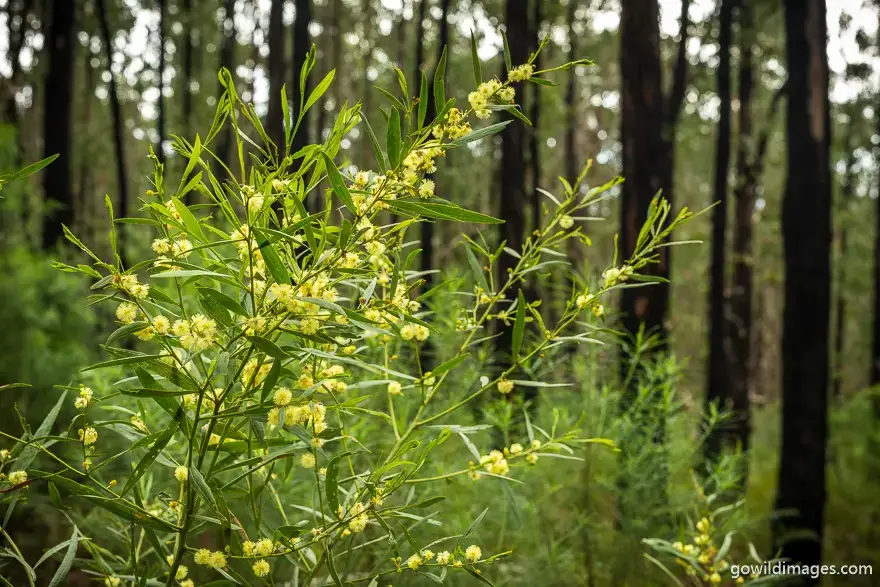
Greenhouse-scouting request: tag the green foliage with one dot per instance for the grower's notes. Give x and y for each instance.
(283, 424)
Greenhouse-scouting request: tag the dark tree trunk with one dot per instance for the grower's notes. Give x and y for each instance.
(160, 123)
(748, 165)
(57, 118)
(643, 152)
(513, 200)
(571, 157)
(16, 35)
(367, 15)
(428, 227)
(716, 391)
(535, 115)
(846, 196)
(227, 58)
(875, 346)
(118, 125)
(302, 43)
(277, 67)
(188, 66)
(806, 229)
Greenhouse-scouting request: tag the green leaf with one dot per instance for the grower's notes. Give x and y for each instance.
(479, 577)
(439, 76)
(476, 269)
(338, 183)
(29, 170)
(475, 58)
(271, 380)
(513, 109)
(123, 361)
(148, 459)
(443, 211)
(428, 502)
(285, 112)
(332, 481)
(274, 264)
(473, 526)
(203, 490)
(519, 325)
(448, 365)
(331, 568)
(224, 300)
(480, 133)
(67, 562)
(423, 100)
(508, 64)
(216, 311)
(28, 453)
(267, 346)
(377, 149)
(320, 89)
(392, 140)
(189, 221)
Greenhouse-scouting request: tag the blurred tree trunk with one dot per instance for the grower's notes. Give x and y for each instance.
(276, 65)
(875, 346)
(428, 227)
(716, 391)
(302, 43)
(649, 121)
(118, 123)
(188, 65)
(160, 123)
(534, 115)
(806, 228)
(227, 59)
(57, 118)
(367, 15)
(846, 195)
(571, 155)
(748, 170)
(514, 200)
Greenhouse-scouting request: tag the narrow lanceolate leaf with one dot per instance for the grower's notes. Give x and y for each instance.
(475, 58)
(519, 325)
(29, 452)
(320, 89)
(439, 84)
(480, 133)
(198, 481)
(67, 562)
(337, 182)
(476, 269)
(148, 459)
(332, 482)
(374, 142)
(423, 100)
(273, 263)
(442, 210)
(392, 140)
(507, 62)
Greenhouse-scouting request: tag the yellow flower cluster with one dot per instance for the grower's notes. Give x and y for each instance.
(705, 552)
(18, 477)
(495, 463)
(505, 386)
(488, 92)
(310, 416)
(454, 127)
(84, 399)
(205, 557)
(129, 284)
(88, 436)
(254, 373)
(261, 548)
(197, 334)
(586, 299)
(614, 275)
(358, 517)
(414, 332)
(521, 73)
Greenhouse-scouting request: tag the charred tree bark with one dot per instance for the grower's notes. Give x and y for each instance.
(716, 391)
(57, 118)
(118, 124)
(806, 227)
(276, 65)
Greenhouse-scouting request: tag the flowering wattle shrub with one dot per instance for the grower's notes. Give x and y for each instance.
(273, 348)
